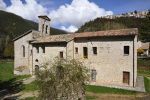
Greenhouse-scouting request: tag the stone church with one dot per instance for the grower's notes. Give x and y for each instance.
(112, 53)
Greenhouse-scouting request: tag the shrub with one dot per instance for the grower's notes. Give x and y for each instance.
(62, 79)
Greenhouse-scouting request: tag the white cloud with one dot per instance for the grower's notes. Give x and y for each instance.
(30, 10)
(77, 13)
(70, 29)
(2, 5)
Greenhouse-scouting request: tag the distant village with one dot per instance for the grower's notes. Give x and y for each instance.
(141, 14)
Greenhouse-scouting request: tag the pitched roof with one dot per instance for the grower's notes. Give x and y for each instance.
(68, 37)
(24, 34)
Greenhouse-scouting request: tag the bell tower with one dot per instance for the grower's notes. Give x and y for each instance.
(44, 25)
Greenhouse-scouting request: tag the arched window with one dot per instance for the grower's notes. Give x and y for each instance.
(23, 51)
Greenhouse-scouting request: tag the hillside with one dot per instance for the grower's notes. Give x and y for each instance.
(11, 26)
(14, 25)
(100, 24)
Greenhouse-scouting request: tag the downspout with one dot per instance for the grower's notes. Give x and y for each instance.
(133, 61)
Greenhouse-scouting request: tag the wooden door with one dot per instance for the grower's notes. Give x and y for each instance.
(126, 78)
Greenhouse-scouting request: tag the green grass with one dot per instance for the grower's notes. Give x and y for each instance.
(147, 84)
(30, 87)
(91, 97)
(6, 72)
(144, 72)
(8, 79)
(143, 62)
(102, 89)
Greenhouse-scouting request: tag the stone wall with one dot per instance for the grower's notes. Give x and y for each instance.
(110, 61)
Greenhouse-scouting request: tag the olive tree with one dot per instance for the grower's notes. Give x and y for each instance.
(62, 79)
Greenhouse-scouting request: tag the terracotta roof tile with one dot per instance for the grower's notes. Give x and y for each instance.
(68, 37)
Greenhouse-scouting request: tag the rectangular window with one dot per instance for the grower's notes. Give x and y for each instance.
(126, 78)
(46, 29)
(43, 49)
(93, 75)
(61, 54)
(37, 49)
(126, 50)
(95, 50)
(85, 53)
(76, 50)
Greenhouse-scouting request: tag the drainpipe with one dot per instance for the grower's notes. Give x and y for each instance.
(133, 61)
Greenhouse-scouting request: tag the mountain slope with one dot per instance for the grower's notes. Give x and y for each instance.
(14, 25)
(100, 24)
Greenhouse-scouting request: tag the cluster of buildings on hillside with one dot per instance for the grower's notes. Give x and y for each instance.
(140, 14)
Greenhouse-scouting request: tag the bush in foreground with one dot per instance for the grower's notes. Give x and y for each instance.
(62, 79)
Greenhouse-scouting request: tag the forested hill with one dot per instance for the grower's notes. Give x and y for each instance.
(12, 25)
(100, 24)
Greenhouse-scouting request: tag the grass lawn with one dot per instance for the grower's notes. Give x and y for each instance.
(102, 89)
(147, 84)
(143, 63)
(7, 78)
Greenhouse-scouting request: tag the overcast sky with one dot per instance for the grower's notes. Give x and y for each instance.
(69, 15)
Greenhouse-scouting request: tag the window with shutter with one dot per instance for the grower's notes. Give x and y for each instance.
(85, 53)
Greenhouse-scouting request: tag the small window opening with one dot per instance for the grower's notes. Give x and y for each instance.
(76, 50)
(23, 51)
(46, 29)
(95, 50)
(31, 52)
(60, 72)
(61, 54)
(37, 49)
(93, 75)
(42, 28)
(43, 49)
(126, 78)
(126, 49)
(85, 53)
(36, 60)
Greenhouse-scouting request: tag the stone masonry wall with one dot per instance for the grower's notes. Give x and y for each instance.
(110, 61)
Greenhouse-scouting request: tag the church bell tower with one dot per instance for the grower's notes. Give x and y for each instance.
(44, 25)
